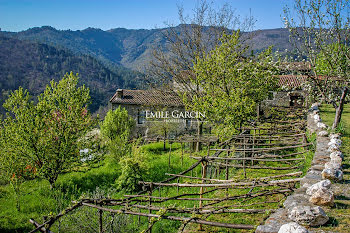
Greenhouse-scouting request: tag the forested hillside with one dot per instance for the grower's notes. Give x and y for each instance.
(32, 65)
(131, 48)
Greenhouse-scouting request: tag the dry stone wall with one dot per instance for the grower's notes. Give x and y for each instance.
(307, 206)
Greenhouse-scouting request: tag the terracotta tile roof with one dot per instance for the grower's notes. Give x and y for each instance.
(170, 98)
(296, 81)
(292, 81)
(147, 97)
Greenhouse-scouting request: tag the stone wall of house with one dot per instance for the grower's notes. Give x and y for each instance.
(285, 98)
(280, 98)
(145, 129)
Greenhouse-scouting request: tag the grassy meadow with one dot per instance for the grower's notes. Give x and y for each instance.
(99, 180)
(37, 200)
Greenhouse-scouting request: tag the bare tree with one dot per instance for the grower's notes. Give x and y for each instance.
(193, 38)
(320, 32)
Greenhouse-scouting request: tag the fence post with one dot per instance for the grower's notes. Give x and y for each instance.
(100, 212)
(182, 155)
(150, 211)
(178, 179)
(227, 170)
(204, 174)
(253, 154)
(139, 218)
(245, 174)
(169, 155)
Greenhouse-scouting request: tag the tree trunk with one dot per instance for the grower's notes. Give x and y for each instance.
(52, 181)
(164, 142)
(199, 134)
(339, 110)
(240, 126)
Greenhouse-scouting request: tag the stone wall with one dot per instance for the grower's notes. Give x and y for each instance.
(285, 98)
(144, 128)
(307, 206)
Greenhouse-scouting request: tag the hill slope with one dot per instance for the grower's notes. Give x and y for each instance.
(32, 65)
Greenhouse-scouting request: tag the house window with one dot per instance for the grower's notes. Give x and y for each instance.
(188, 123)
(141, 117)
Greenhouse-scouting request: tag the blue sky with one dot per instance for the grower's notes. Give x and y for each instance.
(17, 15)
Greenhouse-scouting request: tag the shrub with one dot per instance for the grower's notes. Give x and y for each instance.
(134, 169)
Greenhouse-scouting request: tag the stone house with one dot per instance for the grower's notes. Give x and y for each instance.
(139, 103)
(152, 107)
(293, 75)
(291, 93)
(146, 105)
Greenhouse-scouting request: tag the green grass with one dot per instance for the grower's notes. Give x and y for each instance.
(159, 160)
(340, 213)
(234, 174)
(328, 114)
(254, 219)
(309, 155)
(38, 200)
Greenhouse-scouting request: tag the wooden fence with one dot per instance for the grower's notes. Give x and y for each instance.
(213, 192)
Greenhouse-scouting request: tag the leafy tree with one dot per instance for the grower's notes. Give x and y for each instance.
(333, 64)
(14, 165)
(48, 135)
(230, 84)
(337, 66)
(320, 32)
(21, 152)
(66, 122)
(116, 129)
(196, 35)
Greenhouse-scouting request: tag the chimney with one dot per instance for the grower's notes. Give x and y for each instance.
(120, 93)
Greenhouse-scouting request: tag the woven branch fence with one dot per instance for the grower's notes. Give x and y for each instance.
(217, 190)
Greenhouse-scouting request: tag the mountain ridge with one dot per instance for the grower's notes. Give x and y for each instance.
(131, 48)
(105, 59)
